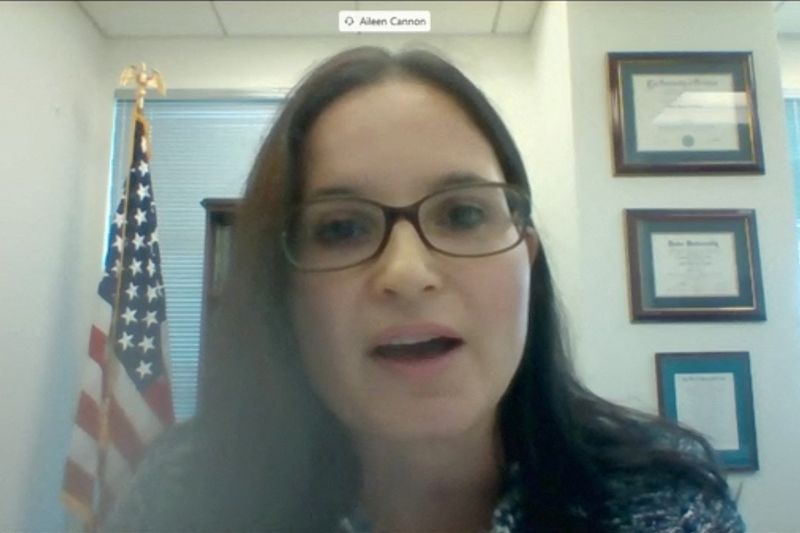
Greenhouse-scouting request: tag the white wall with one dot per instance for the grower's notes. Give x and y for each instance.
(616, 357)
(56, 110)
(551, 155)
(789, 48)
(550, 87)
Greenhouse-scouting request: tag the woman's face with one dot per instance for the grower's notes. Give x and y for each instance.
(395, 142)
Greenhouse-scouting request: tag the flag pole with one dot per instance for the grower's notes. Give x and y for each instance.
(144, 80)
(113, 393)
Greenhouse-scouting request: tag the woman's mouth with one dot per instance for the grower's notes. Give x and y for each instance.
(417, 349)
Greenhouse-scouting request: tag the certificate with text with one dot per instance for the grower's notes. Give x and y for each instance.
(694, 264)
(687, 112)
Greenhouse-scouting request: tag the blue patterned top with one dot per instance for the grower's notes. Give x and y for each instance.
(654, 503)
(169, 489)
(506, 518)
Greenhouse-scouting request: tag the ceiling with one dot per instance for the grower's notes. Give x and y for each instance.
(227, 18)
(259, 19)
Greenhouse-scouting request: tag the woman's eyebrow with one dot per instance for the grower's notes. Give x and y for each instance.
(446, 180)
(458, 178)
(335, 190)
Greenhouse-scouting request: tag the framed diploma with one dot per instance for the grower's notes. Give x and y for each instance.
(684, 113)
(711, 392)
(693, 265)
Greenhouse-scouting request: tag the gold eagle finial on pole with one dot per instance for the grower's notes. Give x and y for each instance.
(144, 80)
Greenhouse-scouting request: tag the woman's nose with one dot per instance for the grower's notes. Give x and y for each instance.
(406, 267)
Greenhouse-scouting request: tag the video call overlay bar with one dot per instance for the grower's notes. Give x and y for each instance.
(384, 21)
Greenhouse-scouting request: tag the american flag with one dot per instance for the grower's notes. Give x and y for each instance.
(125, 399)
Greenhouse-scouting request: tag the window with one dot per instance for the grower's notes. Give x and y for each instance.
(201, 148)
(793, 121)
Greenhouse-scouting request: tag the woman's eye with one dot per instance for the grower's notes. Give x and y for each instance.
(340, 231)
(464, 216)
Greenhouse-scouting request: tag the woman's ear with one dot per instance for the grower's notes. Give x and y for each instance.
(531, 243)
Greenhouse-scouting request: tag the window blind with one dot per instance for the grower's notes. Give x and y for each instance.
(792, 106)
(200, 149)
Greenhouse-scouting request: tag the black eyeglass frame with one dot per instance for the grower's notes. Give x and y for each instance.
(521, 221)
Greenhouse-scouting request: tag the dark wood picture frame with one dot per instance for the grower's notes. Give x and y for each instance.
(220, 218)
(693, 265)
(684, 113)
(712, 392)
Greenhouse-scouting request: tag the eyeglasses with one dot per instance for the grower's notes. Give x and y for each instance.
(464, 221)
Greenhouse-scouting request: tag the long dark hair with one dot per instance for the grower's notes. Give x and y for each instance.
(279, 459)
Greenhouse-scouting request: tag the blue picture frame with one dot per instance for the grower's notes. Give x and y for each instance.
(707, 374)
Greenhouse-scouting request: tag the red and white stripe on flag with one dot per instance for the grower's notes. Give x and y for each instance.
(125, 400)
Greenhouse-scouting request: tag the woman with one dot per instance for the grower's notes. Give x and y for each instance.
(389, 356)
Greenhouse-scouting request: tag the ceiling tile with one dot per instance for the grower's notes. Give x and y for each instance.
(516, 17)
(446, 17)
(151, 19)
(281, 18)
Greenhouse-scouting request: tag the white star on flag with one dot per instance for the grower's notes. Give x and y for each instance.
(132, 291)
(119, 243)
(153, 238)
(151, 267)
(129, 316)
(140, 216)
(138, 241)
(152, 294)
(150, 319)
(117, 267)
(144, 144)
(119, 220)
(144, 369)
(125, 340)
(136, 267)
(146, 344)
(142, 192)
(143, 167)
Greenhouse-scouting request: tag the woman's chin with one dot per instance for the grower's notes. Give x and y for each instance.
(429, 425)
